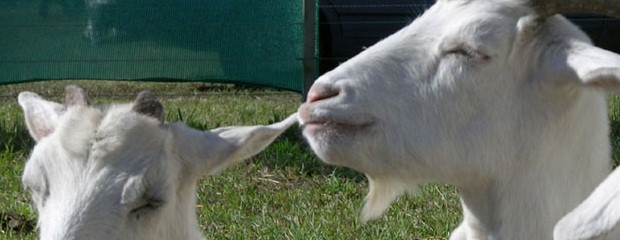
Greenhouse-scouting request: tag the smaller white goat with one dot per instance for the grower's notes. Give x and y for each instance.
(120, 172)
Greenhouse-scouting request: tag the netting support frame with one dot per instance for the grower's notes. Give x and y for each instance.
(310, 45)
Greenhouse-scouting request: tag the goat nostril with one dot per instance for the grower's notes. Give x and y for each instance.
(319, 92)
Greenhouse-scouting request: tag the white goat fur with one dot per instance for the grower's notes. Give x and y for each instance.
(113, 173)
(480, 94)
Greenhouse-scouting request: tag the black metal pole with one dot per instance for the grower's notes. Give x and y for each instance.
(310, 34)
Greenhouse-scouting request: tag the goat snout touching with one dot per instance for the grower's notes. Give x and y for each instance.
(120, 171)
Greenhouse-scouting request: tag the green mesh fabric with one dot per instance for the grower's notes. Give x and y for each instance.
(232, 41)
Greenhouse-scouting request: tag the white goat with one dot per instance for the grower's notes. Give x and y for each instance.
(501, 98)
(120, 172)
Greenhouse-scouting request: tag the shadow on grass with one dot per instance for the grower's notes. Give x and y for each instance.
(615, 140)
(14, 137)
(16, 224)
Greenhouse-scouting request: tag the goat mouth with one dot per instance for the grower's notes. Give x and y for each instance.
(327, 125)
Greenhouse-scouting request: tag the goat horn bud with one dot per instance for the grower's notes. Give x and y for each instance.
(146, 103)
(75, 96)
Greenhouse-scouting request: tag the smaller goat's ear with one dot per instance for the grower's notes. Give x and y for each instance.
(212, 151)
(587, 65)
(598, 215)
(41, 116)
(146, 103)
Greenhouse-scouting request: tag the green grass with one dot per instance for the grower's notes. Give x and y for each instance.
(284, 192)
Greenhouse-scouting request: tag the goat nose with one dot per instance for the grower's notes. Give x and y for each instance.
(319, 92)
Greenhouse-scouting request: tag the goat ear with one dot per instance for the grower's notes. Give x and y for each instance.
(212, 151)
(41, 116)
(589, 66)
(596, 216)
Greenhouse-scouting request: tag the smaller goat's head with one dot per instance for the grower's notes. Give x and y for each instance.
(119, 171)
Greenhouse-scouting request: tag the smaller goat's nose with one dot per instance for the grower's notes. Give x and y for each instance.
(319, 92)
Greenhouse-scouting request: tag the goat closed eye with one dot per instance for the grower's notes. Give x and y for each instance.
(39, 194)
(469, 53)
(457, 51)
(36, 185)
(145, 207)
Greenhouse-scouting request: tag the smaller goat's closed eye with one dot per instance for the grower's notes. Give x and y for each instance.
(36, 185)
(39, 195)
(145, 207)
